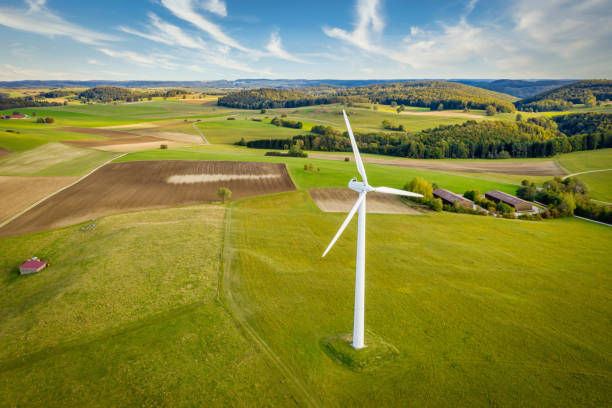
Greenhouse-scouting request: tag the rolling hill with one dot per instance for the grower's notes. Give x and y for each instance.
(587, 92)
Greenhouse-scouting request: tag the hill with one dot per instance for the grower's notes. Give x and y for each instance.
(436, 95)
(587, 92)
(519, 88)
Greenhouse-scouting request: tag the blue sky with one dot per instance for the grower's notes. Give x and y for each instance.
(352, 39)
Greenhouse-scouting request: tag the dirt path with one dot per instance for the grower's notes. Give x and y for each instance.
(528, 168)
(224, 294)
(584, 172)
(205, 141)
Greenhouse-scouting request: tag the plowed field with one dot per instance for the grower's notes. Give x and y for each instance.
(129, 186)
(342, 199)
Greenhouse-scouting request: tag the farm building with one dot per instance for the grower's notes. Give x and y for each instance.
(32, 266)
(450, 198)
(15, 116)
(512, 201)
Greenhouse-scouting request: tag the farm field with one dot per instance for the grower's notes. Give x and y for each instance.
(342, 200)
(470, 327)
(122, 187)
(20, 192)
(127, 314)
(142, 302)
(535, 168)
(600, 183)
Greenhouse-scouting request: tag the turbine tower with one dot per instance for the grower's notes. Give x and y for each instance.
(363, 188)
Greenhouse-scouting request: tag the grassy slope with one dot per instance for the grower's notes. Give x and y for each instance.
(332, 173)
(600, 183)
(479, 316)
(126, 316)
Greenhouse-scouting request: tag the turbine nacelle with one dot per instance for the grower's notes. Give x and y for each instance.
(359, 186)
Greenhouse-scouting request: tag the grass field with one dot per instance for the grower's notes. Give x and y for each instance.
(214, 306)
(479, 316)
(127, 315)
(600, 183)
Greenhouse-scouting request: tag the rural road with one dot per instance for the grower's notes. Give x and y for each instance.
(58, 191)
(206, 142)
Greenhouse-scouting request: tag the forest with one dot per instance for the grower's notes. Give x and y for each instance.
(437, 95)
(587, 92)
(26, 102)
(536, 137)
(113, 93)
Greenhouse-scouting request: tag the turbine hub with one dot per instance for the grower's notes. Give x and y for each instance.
(359, 186)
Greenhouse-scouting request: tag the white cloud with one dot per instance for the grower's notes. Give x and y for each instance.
(153, 60)
(369, 21)
(215, 6)
(185, 10)
(563, 26)
(554, 38)
(40, 20)
(275, 48)
(10, 72)
(167, 33)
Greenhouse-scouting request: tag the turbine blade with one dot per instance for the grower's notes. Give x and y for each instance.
(358, 161)
(345, 223)
(389, 190)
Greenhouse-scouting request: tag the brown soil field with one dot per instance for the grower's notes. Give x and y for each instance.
(20, 192)
(130, 186)
(528, 168)
(343, 199)
(4, 152)
(97, 131)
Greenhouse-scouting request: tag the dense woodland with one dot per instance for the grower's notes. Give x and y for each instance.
(113, 93)
(588, 92)
(436, 95)
(27, 102)
(536, 137)
(267, 98)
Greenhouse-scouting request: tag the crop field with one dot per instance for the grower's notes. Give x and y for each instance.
(121, 187)
(600, 183)
(531, 168)
(20, 192)
(38, 159)
(342, 199)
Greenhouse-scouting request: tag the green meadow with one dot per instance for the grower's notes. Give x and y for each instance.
(230, 305)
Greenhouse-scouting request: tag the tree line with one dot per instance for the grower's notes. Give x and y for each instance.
(26, 102)
(536, 137)
(114, 93)
(436, 95)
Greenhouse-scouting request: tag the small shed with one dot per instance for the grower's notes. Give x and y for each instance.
(512, 201)
(16, 116)
(450, 198)
(32, 266)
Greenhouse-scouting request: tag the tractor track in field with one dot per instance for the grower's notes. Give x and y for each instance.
(225, 297)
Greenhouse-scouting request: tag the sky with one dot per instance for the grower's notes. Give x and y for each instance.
(315, 39)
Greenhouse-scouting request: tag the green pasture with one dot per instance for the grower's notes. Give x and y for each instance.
(127, 315)
(600, 183)
(479, 316)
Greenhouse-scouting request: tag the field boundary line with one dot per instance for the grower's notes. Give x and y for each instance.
(206, 142)
(225, 297)
(584, 172)
(2, 224)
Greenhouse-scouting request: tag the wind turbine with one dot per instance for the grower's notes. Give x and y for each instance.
(363, 188)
